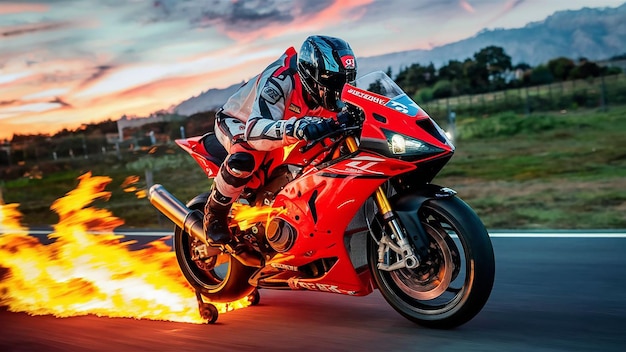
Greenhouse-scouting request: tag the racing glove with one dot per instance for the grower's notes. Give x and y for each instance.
(344, 118)
(312, 128)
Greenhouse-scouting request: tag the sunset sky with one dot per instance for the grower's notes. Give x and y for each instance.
(68, 62)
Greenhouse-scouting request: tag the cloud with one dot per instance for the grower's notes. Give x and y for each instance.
(508, 7)
(59, 101)
(99, 72)
(13, 7)
(239, 19)
(45, 94)
(465, 5)
(31, 28)
(7, 102)
(235, 15)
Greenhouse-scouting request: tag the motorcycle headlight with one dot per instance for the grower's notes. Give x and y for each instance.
(402, 145)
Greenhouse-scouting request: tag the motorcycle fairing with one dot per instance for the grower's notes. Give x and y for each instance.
(399, 115)
(320, 205)
(209, 161)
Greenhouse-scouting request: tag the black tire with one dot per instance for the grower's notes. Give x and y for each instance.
(220, 278)
(254, 297)
(454, 282)
(209, 312)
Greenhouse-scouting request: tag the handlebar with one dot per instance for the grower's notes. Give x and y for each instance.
(349, 121)
(341, 131)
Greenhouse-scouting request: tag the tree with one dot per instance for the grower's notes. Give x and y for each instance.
(442, 89)
(586, 69)
(491, 65)
(561, 68)
(454, 72)
(618, 57)
(388, 72)
(541, 75)
(476, 78)
(451, 71)
(377, 87)
(522, 66)
(415, 77)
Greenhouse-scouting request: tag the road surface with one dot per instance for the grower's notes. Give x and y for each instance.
(553, 293)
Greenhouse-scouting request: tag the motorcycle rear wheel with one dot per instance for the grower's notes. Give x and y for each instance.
(454, 281)
(219, 278)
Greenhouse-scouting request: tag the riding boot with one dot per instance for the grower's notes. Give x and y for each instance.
(216, 221)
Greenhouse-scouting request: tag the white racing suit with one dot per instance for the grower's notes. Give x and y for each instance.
(258, 118)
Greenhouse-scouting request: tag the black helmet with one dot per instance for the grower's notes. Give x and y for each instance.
(325, 64)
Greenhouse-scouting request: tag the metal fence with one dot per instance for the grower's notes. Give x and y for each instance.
(600, 92)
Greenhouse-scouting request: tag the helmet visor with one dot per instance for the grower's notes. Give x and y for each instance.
(330, 87)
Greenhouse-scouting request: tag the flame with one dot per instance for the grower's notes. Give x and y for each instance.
(128, 186)
(83, 273)
(246, 216)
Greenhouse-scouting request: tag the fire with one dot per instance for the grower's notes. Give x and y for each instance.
(83, 273)
(246, 216)
(128, 186)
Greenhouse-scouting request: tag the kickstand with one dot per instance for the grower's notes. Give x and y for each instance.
(207, 310)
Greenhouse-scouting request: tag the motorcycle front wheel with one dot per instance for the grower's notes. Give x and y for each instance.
(220, 278)
(454, 279)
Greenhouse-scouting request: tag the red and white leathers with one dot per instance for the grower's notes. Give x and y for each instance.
(259, 118)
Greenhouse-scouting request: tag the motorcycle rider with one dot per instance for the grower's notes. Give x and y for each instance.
(294, 98)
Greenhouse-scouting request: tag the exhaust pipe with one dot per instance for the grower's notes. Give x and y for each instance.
(191, 222)
(188, 220)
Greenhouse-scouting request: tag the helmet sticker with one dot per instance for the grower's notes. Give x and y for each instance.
(348, 61)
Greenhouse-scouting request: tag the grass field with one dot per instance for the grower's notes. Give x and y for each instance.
(543, 171)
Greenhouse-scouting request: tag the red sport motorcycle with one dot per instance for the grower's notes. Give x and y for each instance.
(348, 213)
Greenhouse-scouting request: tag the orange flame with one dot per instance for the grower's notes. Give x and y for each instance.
(246, 216)
(84, 273)
(128, 186)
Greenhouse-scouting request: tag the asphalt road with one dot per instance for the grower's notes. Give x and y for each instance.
(550, 294)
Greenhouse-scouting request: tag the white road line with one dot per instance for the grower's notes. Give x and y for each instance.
(493, 234)
(557, 235)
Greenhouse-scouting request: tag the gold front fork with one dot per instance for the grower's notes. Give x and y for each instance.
(381, 198)
(409, 259)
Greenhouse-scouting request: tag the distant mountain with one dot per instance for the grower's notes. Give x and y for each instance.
(206, 101)
(594, 33)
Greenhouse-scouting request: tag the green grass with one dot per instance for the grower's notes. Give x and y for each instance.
(545, 171)
(568, 171)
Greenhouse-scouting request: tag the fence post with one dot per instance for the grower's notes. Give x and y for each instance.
(550, 93)
(483, 98)
(527, 102)
(603, 103)
(452, 124)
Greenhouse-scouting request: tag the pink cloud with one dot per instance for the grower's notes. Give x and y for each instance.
(465, 5)
(14, 7)
(340, 11)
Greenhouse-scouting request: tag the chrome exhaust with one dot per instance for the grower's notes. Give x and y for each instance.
(191, 222)
(188, 220)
